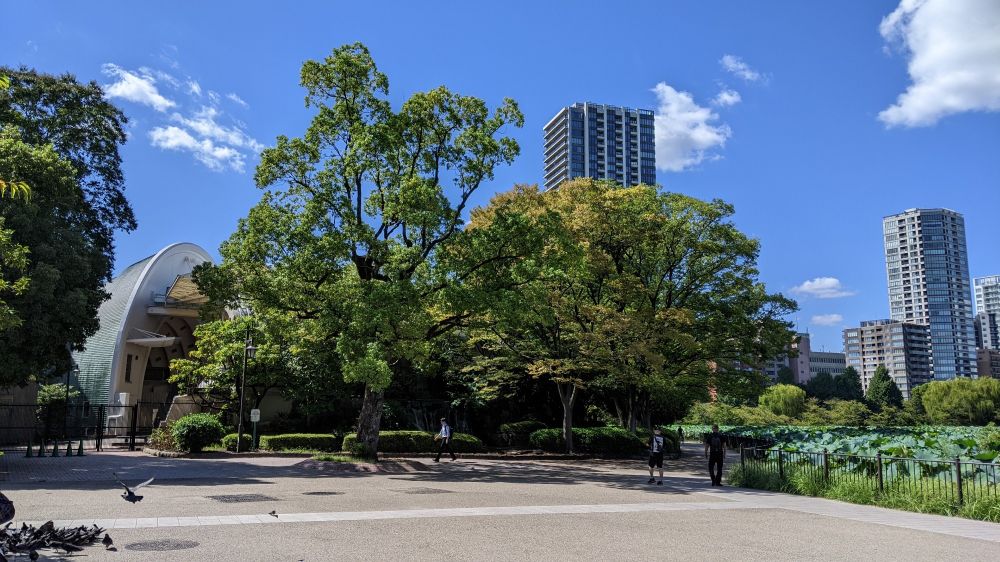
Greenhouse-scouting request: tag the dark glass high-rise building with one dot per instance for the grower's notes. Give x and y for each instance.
(927, 267)
(601, 142)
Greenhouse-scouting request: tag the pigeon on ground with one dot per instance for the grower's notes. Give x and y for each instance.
(129, 494)
(107, 542)
(273, 513)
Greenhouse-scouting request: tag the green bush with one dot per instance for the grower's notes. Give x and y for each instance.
(784, 400)
(307, 441)
(517, 434)
(605, 441)
(194, 432)
(162, 439)
(229, 441)
(415, 442)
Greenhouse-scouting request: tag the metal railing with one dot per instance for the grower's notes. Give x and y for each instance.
(23, 425)
(955, 480)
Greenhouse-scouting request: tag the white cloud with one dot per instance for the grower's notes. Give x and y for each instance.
(213, 97)
(827, 319)
(954, 50)
(727, 97)
(823, 288)
(135, 87)
(685, 131)
(236, 99)
(194, 88)
(214, 156)
(735, 65)
(204, 124)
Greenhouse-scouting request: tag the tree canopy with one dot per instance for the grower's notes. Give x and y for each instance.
(882, 390)
(65, 263)
(637, 292)
(360, 227)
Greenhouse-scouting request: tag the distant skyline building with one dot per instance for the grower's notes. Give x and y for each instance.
(927, 269)
(989, 363)
(904, 348)
(602, 142)
(807, 363)
(987, 295)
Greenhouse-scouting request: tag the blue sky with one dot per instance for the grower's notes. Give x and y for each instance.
(789, 110)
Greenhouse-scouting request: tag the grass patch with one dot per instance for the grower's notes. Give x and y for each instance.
(860, 490)
(335, 457)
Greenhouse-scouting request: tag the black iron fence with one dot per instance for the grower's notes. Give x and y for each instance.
(96, 426)
(955, 481)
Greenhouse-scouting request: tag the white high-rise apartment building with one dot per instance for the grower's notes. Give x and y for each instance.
(927, 267)
(987, 290)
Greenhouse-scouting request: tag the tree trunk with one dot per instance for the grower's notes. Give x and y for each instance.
(632, 407)
(370, 421)
(567, 395)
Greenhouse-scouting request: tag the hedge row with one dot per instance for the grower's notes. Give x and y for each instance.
(309, 441)
(517, 434)
(229, 441)
(416, 442)
(609, 441)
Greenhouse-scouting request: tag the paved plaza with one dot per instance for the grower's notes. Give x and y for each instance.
(217, 508)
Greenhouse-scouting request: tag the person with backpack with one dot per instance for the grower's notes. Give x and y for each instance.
(444, 440)
(657, 445)
(715, 452)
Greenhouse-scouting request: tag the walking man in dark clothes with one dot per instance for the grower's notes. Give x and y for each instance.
(657, 443)
(680, 434)
(715, 452)
(444, 440)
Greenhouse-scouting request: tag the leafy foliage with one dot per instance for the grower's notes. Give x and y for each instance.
(605, 441)
(67, 266)
(882, 390)
(962, 401)
(416, 442)
(230, 440)
(194, 432)
(306, 441)
(784, 400)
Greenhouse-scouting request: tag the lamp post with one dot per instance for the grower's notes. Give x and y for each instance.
(76, 373)
(248, 353)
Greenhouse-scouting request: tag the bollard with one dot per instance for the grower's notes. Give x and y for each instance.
(79, 450)
(55, 449)
(28, 453)
(41, 448)
(69, 448)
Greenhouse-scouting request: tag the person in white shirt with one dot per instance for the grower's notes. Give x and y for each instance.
(444, 440)
(657, 444)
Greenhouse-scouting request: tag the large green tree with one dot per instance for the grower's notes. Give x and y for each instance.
(360, 230)
(961, 401)
(66, 266)
(638, 293)
(848, 385)
(61, 138)
(882, 390)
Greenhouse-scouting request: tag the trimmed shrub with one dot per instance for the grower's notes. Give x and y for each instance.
(415, 442)
(517, 434)
(194, 432)
(605, 441)
(309, 441)
(229, 441)
(162, 439)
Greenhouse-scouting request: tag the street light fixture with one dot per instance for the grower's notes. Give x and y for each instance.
(75, 371)
(249, 351)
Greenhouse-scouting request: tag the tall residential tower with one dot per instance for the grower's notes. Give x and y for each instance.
(589, 140)
(928, 272)
(987, 311)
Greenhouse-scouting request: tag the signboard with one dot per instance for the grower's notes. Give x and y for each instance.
(255, 415)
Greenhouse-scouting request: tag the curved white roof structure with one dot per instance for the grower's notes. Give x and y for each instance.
(148, 320)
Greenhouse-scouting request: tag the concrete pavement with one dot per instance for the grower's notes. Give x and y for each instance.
(200, 509)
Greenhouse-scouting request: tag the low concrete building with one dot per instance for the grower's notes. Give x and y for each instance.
(988, 361)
